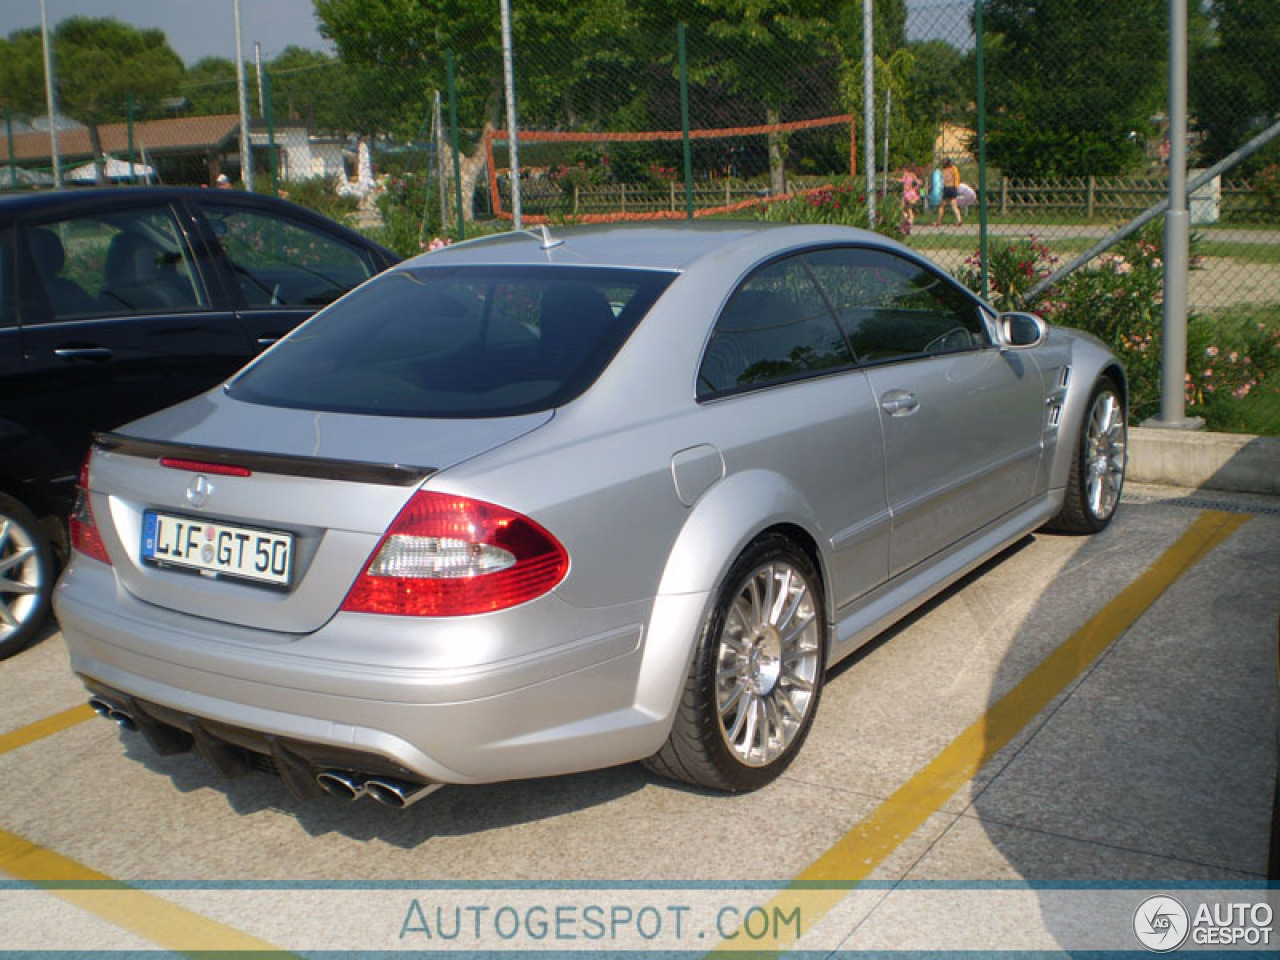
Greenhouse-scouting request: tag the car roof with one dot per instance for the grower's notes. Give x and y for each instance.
(667, 246)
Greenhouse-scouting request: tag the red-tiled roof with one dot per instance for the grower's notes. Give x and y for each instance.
(179, 135)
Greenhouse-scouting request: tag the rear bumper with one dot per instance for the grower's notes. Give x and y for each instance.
(597, 699)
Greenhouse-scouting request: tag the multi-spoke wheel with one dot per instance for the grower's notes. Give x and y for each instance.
(26, 576)
(756, 678)
(1098, 464)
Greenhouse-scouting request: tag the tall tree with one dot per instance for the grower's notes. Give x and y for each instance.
(758, 49)
(1071, 83)
(1235, 78)
(102, 63)
(22, 72)
(209, 86)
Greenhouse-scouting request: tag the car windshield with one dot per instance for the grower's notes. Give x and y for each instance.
(449, 342)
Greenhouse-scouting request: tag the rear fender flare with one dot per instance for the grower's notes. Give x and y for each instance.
(721, 524)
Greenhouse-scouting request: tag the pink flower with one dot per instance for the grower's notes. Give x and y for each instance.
(1211, 351)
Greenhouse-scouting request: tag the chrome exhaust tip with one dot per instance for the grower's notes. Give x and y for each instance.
(342, 784)
(105, 708)
(399, 793)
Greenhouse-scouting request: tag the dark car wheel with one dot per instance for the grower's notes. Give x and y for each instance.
(26, 576)
(1098, 465)
(756, 678)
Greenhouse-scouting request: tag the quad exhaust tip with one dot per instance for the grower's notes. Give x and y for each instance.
(387, 791)
(104, 708)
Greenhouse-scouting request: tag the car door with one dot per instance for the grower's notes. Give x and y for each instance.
(962, 420)
(117, 320)
(780, 383)
(283, 268)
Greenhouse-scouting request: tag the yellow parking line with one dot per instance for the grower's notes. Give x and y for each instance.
(827, 881)
(44, 728)
(153, 918)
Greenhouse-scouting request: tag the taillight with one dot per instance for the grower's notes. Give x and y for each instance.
(84, 531)
(449, 556)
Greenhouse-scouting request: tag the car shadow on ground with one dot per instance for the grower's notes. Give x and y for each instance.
(462, 810)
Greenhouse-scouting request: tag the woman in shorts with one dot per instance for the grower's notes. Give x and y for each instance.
(950, 190)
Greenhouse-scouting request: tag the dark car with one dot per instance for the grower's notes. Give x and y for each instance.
(115, 303)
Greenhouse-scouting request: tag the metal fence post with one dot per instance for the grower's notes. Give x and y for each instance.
(1177, 236)
(684, 120)
(513, 132)
(268, 113)
(453, 137)
(869, 110)
(983, 247)
(13, 163)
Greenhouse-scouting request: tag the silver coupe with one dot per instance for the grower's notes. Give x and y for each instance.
(550, 501)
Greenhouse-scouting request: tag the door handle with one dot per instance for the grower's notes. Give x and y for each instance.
(96, 354)
(265, 342)
(899, 403)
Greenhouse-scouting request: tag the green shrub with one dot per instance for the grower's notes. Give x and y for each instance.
(321, 195)
(843, 203)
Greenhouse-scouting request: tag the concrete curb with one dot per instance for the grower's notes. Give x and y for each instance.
(1212, 461)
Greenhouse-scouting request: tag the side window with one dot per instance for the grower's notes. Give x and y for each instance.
(890, 307)
(113, 263)
(775, 327)
(279, 261)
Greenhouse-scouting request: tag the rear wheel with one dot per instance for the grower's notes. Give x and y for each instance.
(756, 678)
(26, 576)
(1097, 466)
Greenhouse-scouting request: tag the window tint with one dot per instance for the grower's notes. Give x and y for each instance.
(890, 307)
(279, 261)
(456, 342)
(114, 263)
(775, 327)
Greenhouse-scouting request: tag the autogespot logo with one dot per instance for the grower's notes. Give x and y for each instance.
(1161, 924)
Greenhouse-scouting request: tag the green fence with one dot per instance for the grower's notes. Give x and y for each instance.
(1076, 138)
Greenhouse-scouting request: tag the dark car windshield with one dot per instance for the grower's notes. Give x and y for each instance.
(480, 341)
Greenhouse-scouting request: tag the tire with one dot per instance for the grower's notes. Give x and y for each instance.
(756, 678)
(1098, 463)
(26, 577)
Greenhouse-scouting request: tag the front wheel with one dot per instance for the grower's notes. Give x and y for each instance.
(756, 678)
(1097, 466)
(26, 576)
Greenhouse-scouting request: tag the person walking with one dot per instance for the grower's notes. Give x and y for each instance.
(950, 190)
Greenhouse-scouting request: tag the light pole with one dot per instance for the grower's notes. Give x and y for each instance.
(246, 148)
(49, 95)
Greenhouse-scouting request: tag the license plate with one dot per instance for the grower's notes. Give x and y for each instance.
(217, 549)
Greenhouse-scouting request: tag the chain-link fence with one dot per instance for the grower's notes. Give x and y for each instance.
(402, 131)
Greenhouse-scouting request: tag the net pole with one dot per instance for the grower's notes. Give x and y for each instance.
(869, 110)
(684, 120)
(509, 81)
(979, 43)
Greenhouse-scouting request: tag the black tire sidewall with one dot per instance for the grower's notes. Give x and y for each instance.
(14, 511)
(737, 776)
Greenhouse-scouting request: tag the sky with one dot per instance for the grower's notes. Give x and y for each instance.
(195, 28)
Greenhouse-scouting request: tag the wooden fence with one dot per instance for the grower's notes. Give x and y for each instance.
(1106, 198)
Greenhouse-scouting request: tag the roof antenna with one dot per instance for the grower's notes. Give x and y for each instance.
(547, 240)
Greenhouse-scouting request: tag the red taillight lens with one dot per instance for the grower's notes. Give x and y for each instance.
(449, 556)
(84, 531)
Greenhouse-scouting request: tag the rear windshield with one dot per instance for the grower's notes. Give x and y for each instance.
(452, 342)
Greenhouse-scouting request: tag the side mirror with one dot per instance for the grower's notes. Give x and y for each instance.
(1020, 331)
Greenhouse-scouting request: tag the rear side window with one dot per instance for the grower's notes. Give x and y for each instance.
(456, 342)
(774, 328)
(279, 261)
(892, 308)
(127, 262)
